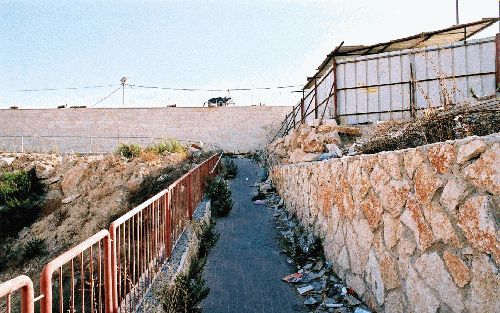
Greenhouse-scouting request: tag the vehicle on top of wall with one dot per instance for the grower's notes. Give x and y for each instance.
(219, 101)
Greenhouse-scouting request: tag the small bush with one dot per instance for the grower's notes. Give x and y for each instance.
(220, 196)
(18, 200)
(189, 288)
(129, 151)
(300, 245)
(229, 169)
(169, 145)
(34, 247)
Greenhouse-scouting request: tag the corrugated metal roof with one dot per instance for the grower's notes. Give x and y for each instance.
(439, 37)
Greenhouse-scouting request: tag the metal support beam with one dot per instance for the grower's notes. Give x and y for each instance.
(497, 61)
(302, 113)
(335, 100)
(315, 97)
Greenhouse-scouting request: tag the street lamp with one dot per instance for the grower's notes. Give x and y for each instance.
(123, 81)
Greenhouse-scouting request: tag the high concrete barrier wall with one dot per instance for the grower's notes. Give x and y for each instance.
(233, 129)
(413, 230)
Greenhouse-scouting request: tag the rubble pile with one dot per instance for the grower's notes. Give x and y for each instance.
(314, 141)
(314, 279)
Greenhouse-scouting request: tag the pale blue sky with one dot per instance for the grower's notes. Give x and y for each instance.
(194, 44)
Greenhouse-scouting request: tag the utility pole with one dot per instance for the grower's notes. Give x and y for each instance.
(123, 81)
(456, 5)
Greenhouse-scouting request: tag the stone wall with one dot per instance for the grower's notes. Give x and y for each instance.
(414, 230)
(233, 129)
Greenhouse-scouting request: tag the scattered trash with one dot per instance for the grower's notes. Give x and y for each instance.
(293, 278)
(310, 301)
(303, 290)
(315, 277)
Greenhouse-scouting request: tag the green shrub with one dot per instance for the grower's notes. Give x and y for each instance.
(18, 200)
(220, 196)
(129, 151)
(229, 169)
(34, 247)
(189, 288)
(169, 145)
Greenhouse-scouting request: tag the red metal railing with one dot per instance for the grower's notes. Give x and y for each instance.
(88, 284)
(144, 237)
(24, 284)
(111, 271)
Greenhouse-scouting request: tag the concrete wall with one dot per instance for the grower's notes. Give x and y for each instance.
(234, 129)
(413, 230)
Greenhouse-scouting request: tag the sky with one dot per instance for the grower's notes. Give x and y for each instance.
(194, 44)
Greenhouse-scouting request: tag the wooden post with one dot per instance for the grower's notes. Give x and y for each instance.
(315, 98)
(335, 100)
(302, 113)
(497, 61)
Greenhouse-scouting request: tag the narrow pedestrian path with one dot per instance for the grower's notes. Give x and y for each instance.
(244, 269)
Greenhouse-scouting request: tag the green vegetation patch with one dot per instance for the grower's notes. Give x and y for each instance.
(220, 196)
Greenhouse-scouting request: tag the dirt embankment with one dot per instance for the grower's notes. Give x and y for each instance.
(80, 196)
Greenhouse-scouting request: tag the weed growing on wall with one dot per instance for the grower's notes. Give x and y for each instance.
(299, 245)
(220, 196)
(189, 288)
(169, 145)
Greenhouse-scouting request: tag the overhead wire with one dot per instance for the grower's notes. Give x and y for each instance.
(63, 88)
(101, 100)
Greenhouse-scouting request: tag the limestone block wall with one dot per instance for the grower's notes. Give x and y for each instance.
(233, 129)
(414, 230)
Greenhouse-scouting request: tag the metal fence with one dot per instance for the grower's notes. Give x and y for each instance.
(399, 84)
(112, 271)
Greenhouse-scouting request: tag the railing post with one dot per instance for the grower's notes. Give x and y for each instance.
(46, 291)
(168, 222)
(109, 277)
(114, 268)
(190, 196)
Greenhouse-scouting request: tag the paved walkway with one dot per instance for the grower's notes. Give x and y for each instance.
(244, 269)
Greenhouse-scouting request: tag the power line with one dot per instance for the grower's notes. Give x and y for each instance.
(201, 89)
(107, 96)
(64, 88)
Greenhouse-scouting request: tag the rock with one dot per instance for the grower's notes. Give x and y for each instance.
(71, 179)
(392, 231)
(358, 240)
(420, 297)
(454, 191)
(394, 195)
(70, 199)
(484, 286)
(405, 249)
(390, 162)
(313, 144)
(389, 271)
(43, 170)
(324, 129)
(440, 224)
(298, 156)
(372, 209)
(280, 151)
(310, 301)
(477, 220)
(413, 218)
(304, 289)
(334, 149)
(426, 183)
(50, 181)
(431, 268)
(412, 160)
(374, 277)
(6, 161)
(351, 300)
(379, 178)
(52, 201)
(331, 137)
(485, 172)
(356, 283)
(457, 268)
(470, 150)
(348, 130)
(442, 157)
(394, 302)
